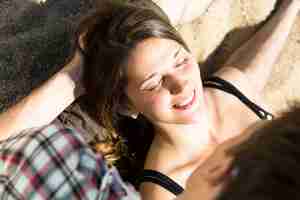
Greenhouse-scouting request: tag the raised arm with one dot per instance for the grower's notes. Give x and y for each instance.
(257, 56)
(45, 103)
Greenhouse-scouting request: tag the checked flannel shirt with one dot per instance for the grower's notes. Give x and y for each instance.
(54, 162)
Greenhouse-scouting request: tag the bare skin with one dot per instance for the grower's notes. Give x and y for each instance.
(236, 70)
(248, 69)
(44, 103)
(209, 178)
(20, 116)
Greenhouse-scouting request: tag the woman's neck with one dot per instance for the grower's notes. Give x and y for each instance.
(180, 136)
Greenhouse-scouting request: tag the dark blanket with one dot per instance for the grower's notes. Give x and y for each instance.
(35, 41)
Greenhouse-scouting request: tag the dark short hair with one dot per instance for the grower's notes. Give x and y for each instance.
(267, 165)
(111, 32)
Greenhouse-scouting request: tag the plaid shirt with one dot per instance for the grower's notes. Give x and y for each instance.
(54, 162)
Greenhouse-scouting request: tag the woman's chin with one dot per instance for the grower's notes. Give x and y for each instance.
(192, 120)
(191, 114)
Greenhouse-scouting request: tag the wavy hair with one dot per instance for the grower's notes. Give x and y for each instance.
(110, 34)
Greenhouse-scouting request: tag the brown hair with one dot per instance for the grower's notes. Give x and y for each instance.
(110, 34)
(266, 166)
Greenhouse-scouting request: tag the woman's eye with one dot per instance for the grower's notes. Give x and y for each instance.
(153, 87)
(181, 62)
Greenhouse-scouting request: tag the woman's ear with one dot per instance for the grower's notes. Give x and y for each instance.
(128, 111)
(129, 114)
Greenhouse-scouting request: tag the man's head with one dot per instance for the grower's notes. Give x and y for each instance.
(267, 165)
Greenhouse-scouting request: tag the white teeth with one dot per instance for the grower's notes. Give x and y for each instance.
(185, 102)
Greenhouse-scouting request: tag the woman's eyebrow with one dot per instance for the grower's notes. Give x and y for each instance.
(154, 74)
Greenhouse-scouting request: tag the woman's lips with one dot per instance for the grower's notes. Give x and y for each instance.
(187, 105)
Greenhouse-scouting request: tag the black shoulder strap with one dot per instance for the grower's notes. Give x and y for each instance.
(221, 84)
(162, 180)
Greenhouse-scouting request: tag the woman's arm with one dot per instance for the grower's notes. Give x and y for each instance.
(46, 102)
(257, 56)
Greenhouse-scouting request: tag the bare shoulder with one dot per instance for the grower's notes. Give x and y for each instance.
(227, 103)
(232, 114)
(240, 80)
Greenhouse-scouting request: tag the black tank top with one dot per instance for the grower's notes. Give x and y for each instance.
(212, 82)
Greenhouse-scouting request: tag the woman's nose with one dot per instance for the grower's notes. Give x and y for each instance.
(176, 84)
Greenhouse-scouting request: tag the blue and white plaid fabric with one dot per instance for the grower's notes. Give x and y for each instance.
(54, 162)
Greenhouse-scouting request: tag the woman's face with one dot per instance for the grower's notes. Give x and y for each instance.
(164, 82)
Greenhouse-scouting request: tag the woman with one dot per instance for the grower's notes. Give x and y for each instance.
(142, 80)
(146, 72)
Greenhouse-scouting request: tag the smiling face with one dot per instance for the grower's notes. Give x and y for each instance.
(164, 82)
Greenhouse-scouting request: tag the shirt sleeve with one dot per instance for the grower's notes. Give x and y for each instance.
(54, 162)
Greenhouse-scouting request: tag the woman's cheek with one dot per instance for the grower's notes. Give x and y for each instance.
(157, 103)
